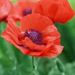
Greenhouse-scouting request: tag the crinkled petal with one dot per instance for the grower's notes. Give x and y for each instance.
(36, 22)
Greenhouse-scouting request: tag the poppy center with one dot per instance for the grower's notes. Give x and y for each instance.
(35, 36)
(27, 11)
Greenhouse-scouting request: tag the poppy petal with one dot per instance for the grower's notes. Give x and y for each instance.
(32, 45)
(14, 41)
(57, 10)
(57, 51)
(36, 22)
(5, 6)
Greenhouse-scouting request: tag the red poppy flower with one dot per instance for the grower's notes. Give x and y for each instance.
(5, 7)
(22, 8)
(36, 36)
(57, 10)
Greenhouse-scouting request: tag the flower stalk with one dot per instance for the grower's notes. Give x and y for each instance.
(34, 66)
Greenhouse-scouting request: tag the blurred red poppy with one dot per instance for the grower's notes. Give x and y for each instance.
(22, 8)
(5, 6)
(36, 36)
(57, 10)
(14, 13)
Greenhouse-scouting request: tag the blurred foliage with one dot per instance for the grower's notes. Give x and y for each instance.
(12, 61)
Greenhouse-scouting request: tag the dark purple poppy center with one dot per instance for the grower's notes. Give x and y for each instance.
(35, 36)
(27, 11)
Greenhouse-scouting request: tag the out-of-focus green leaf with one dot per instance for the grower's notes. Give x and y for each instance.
(68, 39)
(72, 3)
(45, 65)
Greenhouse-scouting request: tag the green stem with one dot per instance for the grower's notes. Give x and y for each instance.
(34, 65)
(60, 66)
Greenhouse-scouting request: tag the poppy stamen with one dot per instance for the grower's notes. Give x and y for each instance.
(35, 36)
(27, 11)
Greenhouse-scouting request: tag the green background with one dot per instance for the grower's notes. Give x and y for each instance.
(13, 62)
